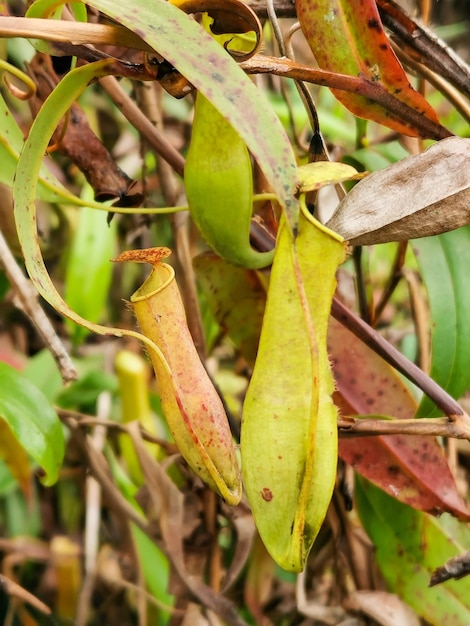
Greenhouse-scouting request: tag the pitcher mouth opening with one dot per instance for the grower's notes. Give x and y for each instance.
(158, 279)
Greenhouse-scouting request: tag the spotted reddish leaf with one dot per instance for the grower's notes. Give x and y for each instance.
(237, 299)
(413, 468)
(347, 36)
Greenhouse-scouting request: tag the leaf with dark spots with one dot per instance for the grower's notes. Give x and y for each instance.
(236, 297)
(412, 469)
(409, 545)
(347, 37)
(165, 27)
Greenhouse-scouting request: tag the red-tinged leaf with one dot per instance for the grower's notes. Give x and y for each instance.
(237, 299)
(413, 469)
(347, 36)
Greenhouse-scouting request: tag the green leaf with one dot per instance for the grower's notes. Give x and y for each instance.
(33, 421)
(41, 370)
(443, 262)
(84, 393)
(376, 157)
(88, 273)
(7, 481)
(236, 297)
(409, 545)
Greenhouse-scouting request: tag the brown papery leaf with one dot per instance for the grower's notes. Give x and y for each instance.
(387, 609)
(420, 196)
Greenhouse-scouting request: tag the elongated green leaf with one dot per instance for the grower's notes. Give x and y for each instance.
(347, 36)
(199, 58)
(409, 545)
(443, 262)
(88, 272)
(289, 434)
(33, 421)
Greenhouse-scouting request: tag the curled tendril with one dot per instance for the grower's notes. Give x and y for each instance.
(231, 19)
(24, 78)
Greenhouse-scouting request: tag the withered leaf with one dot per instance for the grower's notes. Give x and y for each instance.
(75, 139)
(420, 196)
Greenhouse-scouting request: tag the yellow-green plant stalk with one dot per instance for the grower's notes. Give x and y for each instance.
(132, 372)
(66, 556)
(289, 431)
(191, 405)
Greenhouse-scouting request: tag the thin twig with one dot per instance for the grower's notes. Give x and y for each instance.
(76, 32)
(393, 281)
(26, 299)
(421, 316)
(457, 428)
(86, 421)
(261, 64)
(136, 117)
(100, 469)
(16, 591)
(93, 514)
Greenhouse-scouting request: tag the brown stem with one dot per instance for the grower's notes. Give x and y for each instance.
(393, 281)
(135, 116)
(432, 52)
(261, 64)
(459, 428)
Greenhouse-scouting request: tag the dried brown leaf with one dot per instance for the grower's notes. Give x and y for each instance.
(420, 196)
(75, 139)
(385, 608)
